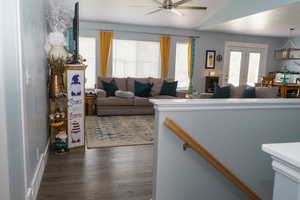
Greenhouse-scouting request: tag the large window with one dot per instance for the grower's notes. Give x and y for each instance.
(181, 66)
(136, 59)
(87, 49)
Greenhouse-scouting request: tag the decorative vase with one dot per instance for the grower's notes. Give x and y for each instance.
(58, 51)
(56, 86)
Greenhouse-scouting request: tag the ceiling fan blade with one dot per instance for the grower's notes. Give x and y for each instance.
(181, 2)
(192, 7)
(154, 11)
(158, 2)
(176, 12)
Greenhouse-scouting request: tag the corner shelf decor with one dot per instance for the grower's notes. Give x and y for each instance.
(66, 104)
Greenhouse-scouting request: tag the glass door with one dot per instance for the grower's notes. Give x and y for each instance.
(254, 63)
(234, 70)
(243, 66)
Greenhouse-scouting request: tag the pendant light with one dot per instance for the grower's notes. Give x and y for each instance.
(289, 51)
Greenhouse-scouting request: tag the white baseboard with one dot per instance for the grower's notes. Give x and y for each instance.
(33, 189)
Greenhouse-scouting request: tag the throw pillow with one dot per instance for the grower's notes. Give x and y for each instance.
(221, 92)
(124, 94)
(249, 93)
(169, 88)
(142, 89)
(110, 88)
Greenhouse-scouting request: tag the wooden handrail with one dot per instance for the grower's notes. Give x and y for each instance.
(210, 158)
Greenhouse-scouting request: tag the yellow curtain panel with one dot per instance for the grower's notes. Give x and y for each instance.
(165, 42)
(105, 50)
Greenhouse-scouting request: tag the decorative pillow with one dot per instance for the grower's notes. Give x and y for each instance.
(142, 89)
(124, 94)
(169, 88)
(110, 88)
(249, 93)
(221, 92)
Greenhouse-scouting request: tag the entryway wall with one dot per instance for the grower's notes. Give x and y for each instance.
(24, 75)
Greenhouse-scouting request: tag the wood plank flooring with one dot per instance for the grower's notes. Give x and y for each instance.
(121, 173)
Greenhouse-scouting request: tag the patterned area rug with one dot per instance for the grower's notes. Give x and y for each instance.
(116, 131)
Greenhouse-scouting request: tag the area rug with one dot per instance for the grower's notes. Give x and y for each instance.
(116, 131)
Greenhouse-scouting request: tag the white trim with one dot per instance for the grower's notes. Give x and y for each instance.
(184, 105)
(245, 44)
(32, 191)
(286, 169)
(229, 45)
(22, 91)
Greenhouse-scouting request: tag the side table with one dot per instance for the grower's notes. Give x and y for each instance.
(90, 106)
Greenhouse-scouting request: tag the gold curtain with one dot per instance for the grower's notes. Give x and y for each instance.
(165, 42)
(190, 65)
(105, 50)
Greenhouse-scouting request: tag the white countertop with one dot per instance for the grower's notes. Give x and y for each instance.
(288, 152)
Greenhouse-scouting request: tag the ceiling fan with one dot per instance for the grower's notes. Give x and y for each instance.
(173, 6)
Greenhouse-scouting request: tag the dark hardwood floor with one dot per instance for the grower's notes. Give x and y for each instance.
(121, 173)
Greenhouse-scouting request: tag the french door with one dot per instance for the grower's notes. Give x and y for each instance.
(244, 65)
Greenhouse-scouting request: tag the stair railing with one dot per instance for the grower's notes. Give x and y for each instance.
(192, 143)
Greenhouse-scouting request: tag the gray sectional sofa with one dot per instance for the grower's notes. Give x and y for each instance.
(129, 106)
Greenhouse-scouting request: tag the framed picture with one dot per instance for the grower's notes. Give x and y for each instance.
(210, 59)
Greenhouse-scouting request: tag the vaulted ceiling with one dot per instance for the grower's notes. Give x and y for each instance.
(121, 11)
(258, 17)
(275, 22)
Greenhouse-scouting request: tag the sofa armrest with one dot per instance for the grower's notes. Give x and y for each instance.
(100, 93)
(181, 94)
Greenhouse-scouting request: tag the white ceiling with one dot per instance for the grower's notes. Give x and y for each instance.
(274, 22)
(119, 11)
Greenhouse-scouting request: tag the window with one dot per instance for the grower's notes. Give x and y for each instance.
(181, 65)
(87, 49)
(136, 59)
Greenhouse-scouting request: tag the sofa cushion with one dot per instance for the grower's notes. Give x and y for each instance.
(237, 92)
(157, 84)
(142, 101)
(130, 83)
(124, 94)
(100, 93)
(110, 88)
(249, 93)
(120, 82)
(221, 92)
(115, 101)
(169, 88)
(265, 92)
(142, 89)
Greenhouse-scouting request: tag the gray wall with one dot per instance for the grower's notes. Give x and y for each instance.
(24, 75)
(207, 41)
(4, 167)
(216, 41)
(235, 141)
(34, 74)
(11, 70)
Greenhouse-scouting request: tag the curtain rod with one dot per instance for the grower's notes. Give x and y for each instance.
(175, 35)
